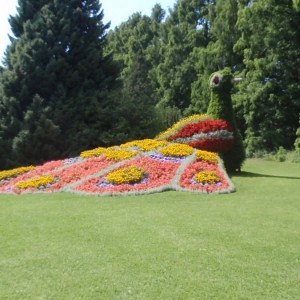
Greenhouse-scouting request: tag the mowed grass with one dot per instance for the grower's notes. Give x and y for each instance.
(170, 245)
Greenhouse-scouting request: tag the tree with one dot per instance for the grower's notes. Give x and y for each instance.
(38, 130)
(135, 45)
(138, 115)
(269, 94)
(296, 4)
(57, 54)
(185, 29)
(218, 54)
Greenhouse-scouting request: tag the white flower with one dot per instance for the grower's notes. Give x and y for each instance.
(216, 80)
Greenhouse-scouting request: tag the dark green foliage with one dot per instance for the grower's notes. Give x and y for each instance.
(138, 117)
(133, 45)
(60, 54)
(38, 135)
(57, 56)
(297, 141)
(222, 35)
(220, 107)
(269, 94)
(258, 39)
(296, 4)
(281, 154)
(184, 30)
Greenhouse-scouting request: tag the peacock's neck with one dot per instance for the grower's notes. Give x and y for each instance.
(220, 107)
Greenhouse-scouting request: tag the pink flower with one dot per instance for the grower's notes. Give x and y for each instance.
(186, 180)
(158, 174)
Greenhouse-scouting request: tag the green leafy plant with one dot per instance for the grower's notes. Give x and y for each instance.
(281, 154)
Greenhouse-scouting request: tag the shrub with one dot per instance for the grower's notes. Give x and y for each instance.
(281, 154)
(296, 157)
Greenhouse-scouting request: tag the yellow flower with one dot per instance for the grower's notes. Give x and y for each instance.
(177, 126)
(130, 174)
(145, 145)
(208, 177)
(207, 156)
(177, 150)
(94, 152)
(115, 154)
(15, 172)
(35, 182)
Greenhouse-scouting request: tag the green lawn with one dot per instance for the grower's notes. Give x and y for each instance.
(171, 245)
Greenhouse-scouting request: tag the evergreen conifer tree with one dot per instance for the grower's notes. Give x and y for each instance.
(270, 92)
(185, 29)
(57, 55)
(135, 47)
(218, 54)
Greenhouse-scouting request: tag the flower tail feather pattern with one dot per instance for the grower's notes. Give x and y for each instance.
(138, 167)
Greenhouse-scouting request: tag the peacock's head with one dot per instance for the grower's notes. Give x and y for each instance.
(222, 80)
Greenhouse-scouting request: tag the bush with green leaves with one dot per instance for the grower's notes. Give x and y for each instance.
(281, 154)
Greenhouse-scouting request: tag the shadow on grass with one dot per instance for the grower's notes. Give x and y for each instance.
(252, 175)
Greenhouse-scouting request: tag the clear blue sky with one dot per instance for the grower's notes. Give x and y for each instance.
(116, 11)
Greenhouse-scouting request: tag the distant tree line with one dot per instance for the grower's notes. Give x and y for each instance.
(69, 83)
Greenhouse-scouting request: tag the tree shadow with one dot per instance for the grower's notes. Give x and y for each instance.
(252, 175)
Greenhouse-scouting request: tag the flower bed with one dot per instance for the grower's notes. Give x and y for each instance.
(7, 175)
(35, 183)
(158, 177)
(111, 153)
(8, 185)
(180, 124)
(76, 172)
(176, 150)
(137, 167)
(64, 174)
(207, 156)
(120, 173)
(205, 126)
(93, 153)
(144, 145)
(202, 133)
(119, 154)
(126, 175)
(213, 144)
(205, 177)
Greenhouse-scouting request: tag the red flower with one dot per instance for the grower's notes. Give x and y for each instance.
(158, 174)
(205, 126)
(213, 144)
(209, 135)
(186, 179)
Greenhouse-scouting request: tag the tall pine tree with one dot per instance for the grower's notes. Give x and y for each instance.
(222, 36)
(135, 46)
(270, 92)
(57, 56)
(185, 29)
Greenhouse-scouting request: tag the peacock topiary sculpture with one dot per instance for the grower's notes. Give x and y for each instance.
(185, 157)
(220, 107)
